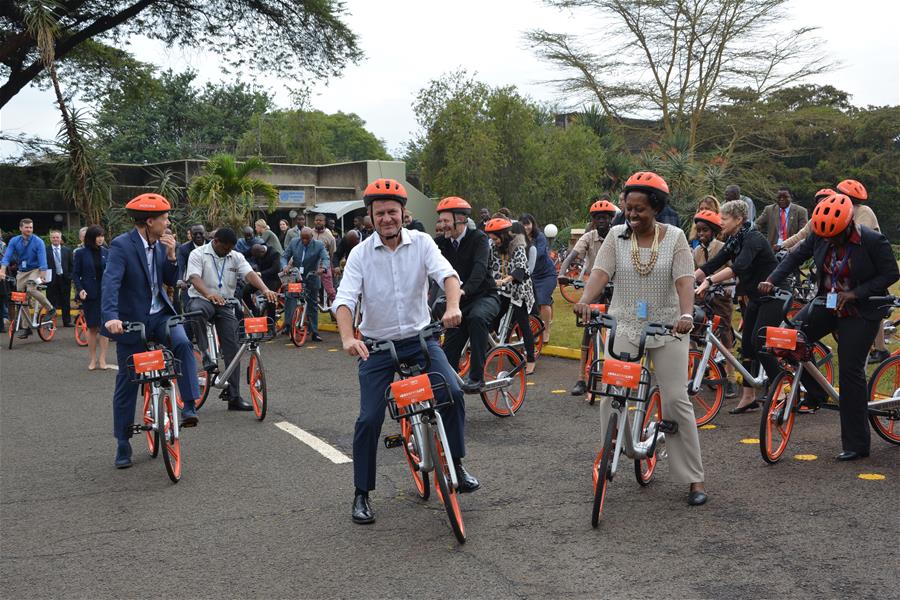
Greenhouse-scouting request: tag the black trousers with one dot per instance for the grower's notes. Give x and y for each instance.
(756, 316)
(478, 319)
(520, 317)
(856, 335)
(226, 323)
(59, 292)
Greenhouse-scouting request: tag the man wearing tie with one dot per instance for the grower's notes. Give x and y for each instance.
(311, 258)
(782, 219)
(59, 290)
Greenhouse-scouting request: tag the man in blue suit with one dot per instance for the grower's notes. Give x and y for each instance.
(140, 263)
(311, 258)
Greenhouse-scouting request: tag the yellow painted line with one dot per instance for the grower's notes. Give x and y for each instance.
(335, 350)
(708, 426)
(872, 476)
(328, 327)
(289, 345)
(557, 391)
(312, 347)
(561, 352)
(805, 457)
(529, 383)
(750, 441)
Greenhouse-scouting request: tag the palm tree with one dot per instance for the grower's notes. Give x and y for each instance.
(228, 192)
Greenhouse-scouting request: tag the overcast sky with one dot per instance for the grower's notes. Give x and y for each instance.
(485, 37)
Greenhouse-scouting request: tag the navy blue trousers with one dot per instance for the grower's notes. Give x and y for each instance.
(375, 375)
(125, 396)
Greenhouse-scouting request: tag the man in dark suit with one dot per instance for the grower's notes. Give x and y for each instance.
(268, 265)
(782, 219)
(140, 264)
(469, 252)
(59, 290)
(853, 264)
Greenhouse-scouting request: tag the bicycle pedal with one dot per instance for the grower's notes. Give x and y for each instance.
(135, 429)
(670, 427)
(393, 441)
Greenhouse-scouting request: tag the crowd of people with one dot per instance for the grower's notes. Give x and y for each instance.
(468, 275)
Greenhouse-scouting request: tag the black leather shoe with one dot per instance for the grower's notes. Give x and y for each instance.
(697, 498)
(851, 455)
(316, 338)
(579, 389)
(24, 335)
(742, 409)
(470, 386)
(877, 356)
(467, 483)
(362, 510)
(239, 404)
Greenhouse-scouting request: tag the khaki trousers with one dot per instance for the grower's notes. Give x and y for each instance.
(31, 289)
(670, 366)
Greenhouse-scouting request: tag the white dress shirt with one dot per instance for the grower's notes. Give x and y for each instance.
(393, 284)
(219, 273)
(156, 302)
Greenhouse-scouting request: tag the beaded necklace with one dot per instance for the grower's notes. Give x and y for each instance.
(644, 269)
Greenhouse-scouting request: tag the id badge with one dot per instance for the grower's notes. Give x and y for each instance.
(301, 270)
(643, 310)
(23, 265)
(831, 300)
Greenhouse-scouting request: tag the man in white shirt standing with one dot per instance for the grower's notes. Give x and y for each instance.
(213, 270)
(390, 270)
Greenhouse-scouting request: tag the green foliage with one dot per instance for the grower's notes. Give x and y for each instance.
(310, 137)
(227, 191)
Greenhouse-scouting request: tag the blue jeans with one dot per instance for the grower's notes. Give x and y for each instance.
(125, 395)
(375, 375)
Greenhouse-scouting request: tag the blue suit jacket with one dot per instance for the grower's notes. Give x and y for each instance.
(84, 275)
(126, 283)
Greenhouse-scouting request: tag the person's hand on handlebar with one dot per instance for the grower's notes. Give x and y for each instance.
(582, 310)
(845, 297)
(683, 325)
(216, 299)
(355, 347)
(114, 326)
(700, 292)
(452, 317)
(271, 297)
(766, 288)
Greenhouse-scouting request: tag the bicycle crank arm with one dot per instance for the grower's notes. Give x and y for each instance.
(502, 381)
(886, 404)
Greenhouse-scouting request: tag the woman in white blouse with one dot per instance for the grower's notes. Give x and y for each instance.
(652, 267)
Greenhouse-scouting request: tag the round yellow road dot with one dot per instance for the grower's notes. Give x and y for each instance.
(557, 391)
(805, 457)
(750, 441)
(872, 476)
(289, 345)
(332, 349)
(312, 347)
(708, 426)
(529, 383)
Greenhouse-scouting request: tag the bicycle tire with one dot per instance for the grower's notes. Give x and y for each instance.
(776, 400)
(423, 488)
(203, 380)
(501, 361)
(13, 328)
(81, 331)
(889, 370)
(171, 445)
(643, 469)
(708, 400)
(44, 317)
(447, 494)
(151, 434)
(569, 292)
(602, 465)
(822, 357)
(465, 363)
(537, 330)
(259, 395)
(298, 332)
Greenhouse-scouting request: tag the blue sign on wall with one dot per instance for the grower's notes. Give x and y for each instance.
(291, 197)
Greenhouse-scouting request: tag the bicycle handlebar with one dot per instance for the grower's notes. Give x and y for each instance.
(603, 320)
(139, 327)
(429, 331)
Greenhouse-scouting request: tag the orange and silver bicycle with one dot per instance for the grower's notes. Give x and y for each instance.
(412, 400)
(29, 314)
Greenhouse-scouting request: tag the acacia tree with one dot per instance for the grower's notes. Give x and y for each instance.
(228, 192)
(673, 57)
(276, 36)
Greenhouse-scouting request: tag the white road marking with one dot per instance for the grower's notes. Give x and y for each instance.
(323, 448)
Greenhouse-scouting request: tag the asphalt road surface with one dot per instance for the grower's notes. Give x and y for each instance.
(258, 514)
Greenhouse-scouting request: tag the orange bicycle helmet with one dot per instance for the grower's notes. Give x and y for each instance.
(384, 189)
(646, 181)
(455, 205)
(497, 225)
(146, 206)
(824, 193)
(713, 219)
(602, 206)
(854, 189)
(832, 216)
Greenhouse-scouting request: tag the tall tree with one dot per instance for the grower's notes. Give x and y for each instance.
(229, 192)
(673, 57)
(275, 36)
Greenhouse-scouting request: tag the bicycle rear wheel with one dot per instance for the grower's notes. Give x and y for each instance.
(170, 443)
(445, 490)
(501, 362)
(299, 330)
(152, 433)
(643, 469)
(413, 456)
(885, 385)
(13, 324)
(259, 395)
(81, 330)
(569, 292)
(47, 327)
(708, 399)
(602, 469)
(823, 358)
(203, 380)
(774, 429)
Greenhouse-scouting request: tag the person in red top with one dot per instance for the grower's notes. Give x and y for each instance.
(854, 263)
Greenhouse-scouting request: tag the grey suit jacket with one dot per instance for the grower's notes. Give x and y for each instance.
(770, 220)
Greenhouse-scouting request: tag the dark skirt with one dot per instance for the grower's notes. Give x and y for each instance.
(91, 310)
(543, 288)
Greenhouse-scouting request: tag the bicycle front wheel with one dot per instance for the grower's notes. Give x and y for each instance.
(170, 442)
(413, 456)
(569, 292)
(259, 395)
(708, 399)
(13, 324)
(203, 380)
(777, 421)
(47, 327)
(152, 433)
(885, 385)
(81, 330)
(445, 490)
(502, 362)
(299, 330)
(602, 472)
(643, 468)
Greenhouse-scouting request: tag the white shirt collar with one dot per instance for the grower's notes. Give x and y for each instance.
(461, 236)
(404, 238)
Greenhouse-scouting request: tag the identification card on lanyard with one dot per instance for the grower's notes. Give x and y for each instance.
(643, 310)
(220, 273)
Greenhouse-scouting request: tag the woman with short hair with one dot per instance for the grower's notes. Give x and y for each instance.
(87, 272)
